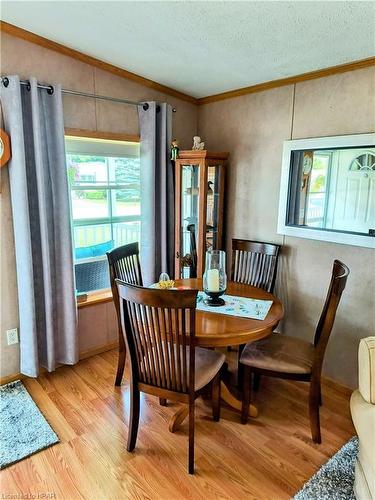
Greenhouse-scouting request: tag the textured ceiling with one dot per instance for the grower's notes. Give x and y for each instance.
(203, 48)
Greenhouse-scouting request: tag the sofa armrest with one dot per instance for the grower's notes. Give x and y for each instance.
(366, 372)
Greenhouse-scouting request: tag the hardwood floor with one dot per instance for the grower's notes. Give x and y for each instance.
(269, 458)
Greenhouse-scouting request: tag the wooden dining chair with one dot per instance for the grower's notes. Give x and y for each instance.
(159, 330)
(253, 263)
(123, 264)
(292, 358)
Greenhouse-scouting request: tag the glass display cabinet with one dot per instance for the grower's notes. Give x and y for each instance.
(200, 177)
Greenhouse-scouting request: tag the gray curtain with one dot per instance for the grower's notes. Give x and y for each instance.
(157, 192)
(41, 218)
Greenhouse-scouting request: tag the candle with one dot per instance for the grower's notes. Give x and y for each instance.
(213, 280)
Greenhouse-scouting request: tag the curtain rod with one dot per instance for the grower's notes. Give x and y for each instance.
(50, 90)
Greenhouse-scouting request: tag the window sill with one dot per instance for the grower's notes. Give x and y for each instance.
(99, 297)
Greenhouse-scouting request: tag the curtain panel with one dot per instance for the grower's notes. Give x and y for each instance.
(157, 191)
(41, 220)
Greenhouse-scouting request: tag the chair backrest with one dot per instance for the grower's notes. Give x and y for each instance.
(124, 265)
(255, 263)
(340, 273)
(159, 330)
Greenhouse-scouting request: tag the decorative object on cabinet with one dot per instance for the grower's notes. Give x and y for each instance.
(5, 152)
(174, 150)
(198, 144)
(199, 210)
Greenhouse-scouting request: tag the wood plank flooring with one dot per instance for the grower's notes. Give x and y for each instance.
(269, 458)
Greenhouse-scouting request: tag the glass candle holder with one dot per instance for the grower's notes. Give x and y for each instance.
(214, 278)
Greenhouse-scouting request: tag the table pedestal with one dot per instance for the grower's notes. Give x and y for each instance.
(178, 418)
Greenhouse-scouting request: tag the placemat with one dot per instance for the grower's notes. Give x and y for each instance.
(237, 306)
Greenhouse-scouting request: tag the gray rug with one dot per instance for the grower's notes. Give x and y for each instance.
(23, 429)
(335, 479)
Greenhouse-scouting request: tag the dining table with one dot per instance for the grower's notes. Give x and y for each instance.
(214, 329)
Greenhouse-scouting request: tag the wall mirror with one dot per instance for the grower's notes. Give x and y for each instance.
(327, 189)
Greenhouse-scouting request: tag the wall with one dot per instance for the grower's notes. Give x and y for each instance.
(252, 128)
(26, 59)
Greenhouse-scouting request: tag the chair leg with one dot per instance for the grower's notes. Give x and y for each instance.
(216, 394)
(162, 402)
(133, 418)
(191, 436)
(314, 412)
(121, 361)
(240, 366)
(320, 396)
(246, 394)
(256, 382)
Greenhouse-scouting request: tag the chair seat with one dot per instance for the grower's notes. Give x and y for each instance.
(279, 353)
(207, 365)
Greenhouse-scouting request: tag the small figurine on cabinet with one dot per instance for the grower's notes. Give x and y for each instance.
(174, 150)
(197, 143)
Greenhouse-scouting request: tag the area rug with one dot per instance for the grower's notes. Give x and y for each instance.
(23, 429)
(335, 479)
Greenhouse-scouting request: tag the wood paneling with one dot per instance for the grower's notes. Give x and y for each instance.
(79, 56)
(97, 134)
(271, 457)
(281, 82)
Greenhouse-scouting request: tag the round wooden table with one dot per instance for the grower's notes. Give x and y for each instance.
(213, 329)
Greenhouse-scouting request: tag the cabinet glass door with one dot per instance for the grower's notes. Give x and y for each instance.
(189, 220)
(212, 220)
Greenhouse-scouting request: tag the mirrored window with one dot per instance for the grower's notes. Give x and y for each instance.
(332, 189)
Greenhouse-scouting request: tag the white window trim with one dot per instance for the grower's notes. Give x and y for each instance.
(357, 140)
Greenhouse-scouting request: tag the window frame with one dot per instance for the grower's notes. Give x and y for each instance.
(318, 143)
(109, 187)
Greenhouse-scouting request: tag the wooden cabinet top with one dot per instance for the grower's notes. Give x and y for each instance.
(203, 153)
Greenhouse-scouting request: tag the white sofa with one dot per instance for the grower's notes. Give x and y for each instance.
(362, 406)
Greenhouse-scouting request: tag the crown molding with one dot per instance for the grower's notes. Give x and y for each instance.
(15, 31)
(312, 75)
(75, 54)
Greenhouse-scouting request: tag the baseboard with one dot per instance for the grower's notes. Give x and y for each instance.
(347, 391)
(82, 355)
(11, 378)
(98, 350)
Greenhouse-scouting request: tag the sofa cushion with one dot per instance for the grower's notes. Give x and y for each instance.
(366, 374)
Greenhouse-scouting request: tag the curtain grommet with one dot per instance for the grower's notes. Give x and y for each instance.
(28, 86)
(5, 82)
(51, 90)
(145, 106)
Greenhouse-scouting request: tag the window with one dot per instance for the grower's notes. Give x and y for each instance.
(104, 180)
(327, 189)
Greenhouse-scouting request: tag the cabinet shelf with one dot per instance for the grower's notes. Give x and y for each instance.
(200, 177)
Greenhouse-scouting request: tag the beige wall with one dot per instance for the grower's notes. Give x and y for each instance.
(252, 128)
(97, 324)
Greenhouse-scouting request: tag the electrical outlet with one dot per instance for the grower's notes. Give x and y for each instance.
(12, 336)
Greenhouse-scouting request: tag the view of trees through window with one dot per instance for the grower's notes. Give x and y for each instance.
(317, 190)
(105, 208)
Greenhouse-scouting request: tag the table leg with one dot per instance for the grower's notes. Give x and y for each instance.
(235, 403)
(178, 418)
(180, 415)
